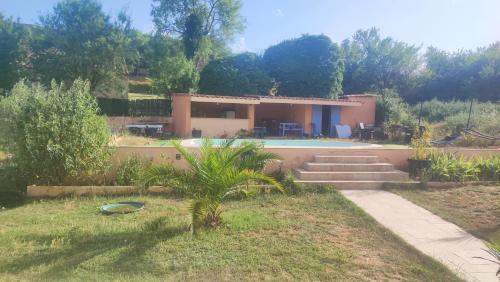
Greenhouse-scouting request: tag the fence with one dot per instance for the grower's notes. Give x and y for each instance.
(134, 108)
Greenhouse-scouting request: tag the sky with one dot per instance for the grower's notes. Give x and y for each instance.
(447, 24)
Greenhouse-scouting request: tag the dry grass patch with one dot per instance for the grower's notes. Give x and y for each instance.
(474, 208)
(132, 140)
(274, 237)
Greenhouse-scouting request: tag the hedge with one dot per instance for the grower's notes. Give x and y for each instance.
(145, 107)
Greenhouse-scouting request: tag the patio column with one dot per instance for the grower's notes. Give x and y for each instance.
(302, 114)
(181, 115)
(251, 116)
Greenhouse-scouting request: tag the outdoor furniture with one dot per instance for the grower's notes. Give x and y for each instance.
(366, 131)
(259, 131)
(343, 131)
(144, 129)
(290, 127)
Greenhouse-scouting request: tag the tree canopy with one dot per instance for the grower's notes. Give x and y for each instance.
(77, 39)
(204, 26)
(373, 63)
(13, 50)
(460, 75)
(308, 66)
(235, 75)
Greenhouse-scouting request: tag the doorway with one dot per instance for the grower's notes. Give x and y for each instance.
(326, 121)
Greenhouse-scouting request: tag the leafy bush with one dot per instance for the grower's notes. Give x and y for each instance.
(392, 110)
(235, 75)
(55, 136)
(449, 167)
(215, 174)
(130, 171)
(287, 180)
(12, 186)
(489, 169)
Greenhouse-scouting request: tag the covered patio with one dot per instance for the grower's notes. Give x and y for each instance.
(226, 116)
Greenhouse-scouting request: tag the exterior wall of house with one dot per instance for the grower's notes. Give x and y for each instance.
(302, 114)
(181, 115)
(251, 116)
(219, 127)
(285, 113)
(354, 115)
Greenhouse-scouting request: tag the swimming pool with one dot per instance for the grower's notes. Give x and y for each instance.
(293, 143)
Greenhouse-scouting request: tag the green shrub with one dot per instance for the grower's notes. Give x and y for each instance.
(55, 135)
(291, 187)
(130, 171)
(449, 167)
(392, 110)
(12, 186)
(489, 169)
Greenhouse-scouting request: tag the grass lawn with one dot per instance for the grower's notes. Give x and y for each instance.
(133, 140)
(474, 208)
(309, 237)
(136, 96)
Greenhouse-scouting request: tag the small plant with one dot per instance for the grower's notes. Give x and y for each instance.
(419, 160)
(421, 144)
(489, 168)
(449, 167)
(494, 251)
(291, 187)
(215, 174)
(130, 171)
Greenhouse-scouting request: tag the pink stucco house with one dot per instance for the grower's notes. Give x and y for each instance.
(224, 116)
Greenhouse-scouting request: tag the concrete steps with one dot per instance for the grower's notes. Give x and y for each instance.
(341, 167)
(346, 159)
(352, 175)
(350, 171)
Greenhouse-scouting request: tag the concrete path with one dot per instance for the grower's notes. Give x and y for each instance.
(428, 233)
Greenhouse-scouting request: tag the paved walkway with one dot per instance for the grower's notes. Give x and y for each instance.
(428, 233)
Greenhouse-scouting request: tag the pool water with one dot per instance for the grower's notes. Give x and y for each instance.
(295, 143)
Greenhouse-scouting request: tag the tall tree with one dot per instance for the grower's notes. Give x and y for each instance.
(236, 75)
(80, 40)
(309, 66)
(460, 75)
(373, 63)
(205, 26)
(170, 70)
(13, 50)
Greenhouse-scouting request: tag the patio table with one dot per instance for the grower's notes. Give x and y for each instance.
(291, 126)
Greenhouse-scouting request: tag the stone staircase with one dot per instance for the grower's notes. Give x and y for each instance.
(350, 171)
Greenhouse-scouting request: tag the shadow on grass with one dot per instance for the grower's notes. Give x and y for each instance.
(126, 251)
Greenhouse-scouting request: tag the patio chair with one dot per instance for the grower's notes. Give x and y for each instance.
(259, 131)
(365, 131)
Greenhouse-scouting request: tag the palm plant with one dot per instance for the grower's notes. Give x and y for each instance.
(215, 173)
(494, 251)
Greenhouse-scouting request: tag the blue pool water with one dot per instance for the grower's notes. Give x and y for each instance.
(297, 143)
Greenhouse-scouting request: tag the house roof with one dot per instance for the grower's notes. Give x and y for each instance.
(253, 99)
